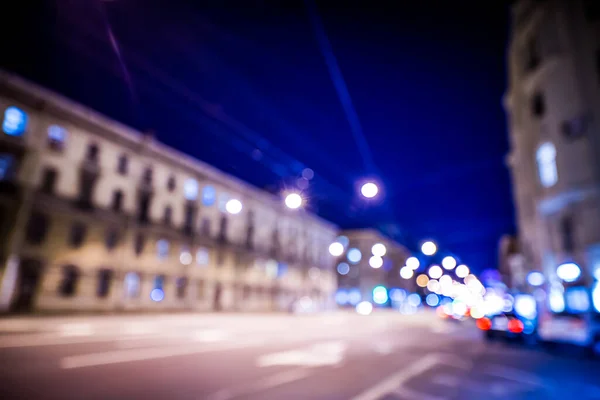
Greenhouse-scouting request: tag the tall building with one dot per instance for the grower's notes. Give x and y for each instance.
(553, 111)
(97, 216)
(369, 259)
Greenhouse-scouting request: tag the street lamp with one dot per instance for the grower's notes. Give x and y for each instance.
(428, 248)
(293, 201)
(376, 262)
(233, 206)
(378, 249)
(406, 272)
(449, 262)
(412, 262)
(369, 190)
(462, 271)
(336, 249)
(435, 272)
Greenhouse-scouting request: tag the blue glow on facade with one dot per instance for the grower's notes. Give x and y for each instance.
(14, 122)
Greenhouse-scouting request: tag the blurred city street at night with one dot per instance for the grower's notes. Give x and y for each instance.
(330, 356)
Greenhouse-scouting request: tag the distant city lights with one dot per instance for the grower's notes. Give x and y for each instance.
(354, 296)
(432, 300)
(378, 249)
(414, 299)
(412, 263)
(343, 268)
(422, 280)
(233, 206)
(568, 272)
(364, 308)
(536, 278)
(428, 248)
(462, 271)
(380, 295)
(293, 201)
(369, 190)
(449, 262)
(435, 272)
(375, 262)
(433, 286)
(354, 255)
(406, 273)
(336, 249)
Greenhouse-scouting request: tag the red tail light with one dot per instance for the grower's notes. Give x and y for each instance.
(515, 326)
(484, 324)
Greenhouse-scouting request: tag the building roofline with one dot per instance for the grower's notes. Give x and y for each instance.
(35, 92)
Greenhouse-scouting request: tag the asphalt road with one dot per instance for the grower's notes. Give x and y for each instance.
(335, 356)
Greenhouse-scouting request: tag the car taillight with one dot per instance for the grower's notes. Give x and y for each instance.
(484, 324)
(515, 326)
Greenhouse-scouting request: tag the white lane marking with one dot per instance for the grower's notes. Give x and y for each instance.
(446, 380)
(328, 353)
(516, 375)
(391, 383)
(123, 356)
(269, 382)
(408, 394)
(395, 382)
(54, 340)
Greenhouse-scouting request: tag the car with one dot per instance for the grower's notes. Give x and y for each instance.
(508, 326)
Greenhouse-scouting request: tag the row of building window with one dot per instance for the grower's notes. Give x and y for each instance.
(71, 275)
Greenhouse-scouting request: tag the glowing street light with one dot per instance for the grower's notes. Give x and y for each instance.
(376, 262)
(336, 249)
(293, 201)
(412, 262)
(369, 190)
(233, 206)
(406, 272)
(422, 280)
(378, 249)
(428, 248)
(462, 271)
(435, 272)
(449, 262)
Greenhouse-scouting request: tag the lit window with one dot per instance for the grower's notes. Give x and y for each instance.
(158, 294)
(202, 256)
(546, 160)
(57, 135)
(209, 195)
(132, 285)
(190, 189)
(6, 166)
(162, 248)
(185, 257)
(15, 121)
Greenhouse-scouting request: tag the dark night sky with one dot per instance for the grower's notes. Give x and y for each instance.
(220, 79)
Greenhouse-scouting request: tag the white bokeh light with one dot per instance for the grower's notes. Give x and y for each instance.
(375, 262)
(354, 255)
(233, 206)
(462, 271)
(568, 272)
(406, 272)
(336, 249)
(364, 308)
(435, 272)
(369, 190)
(293, 201)
(433, 286)
(412, 262)
(343, 268)
(378, 249)
(428, 248)
(449, 262)
(536, 278)
(185, 258)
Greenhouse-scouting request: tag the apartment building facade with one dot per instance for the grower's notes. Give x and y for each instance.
(553, 111)
(97, 216)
